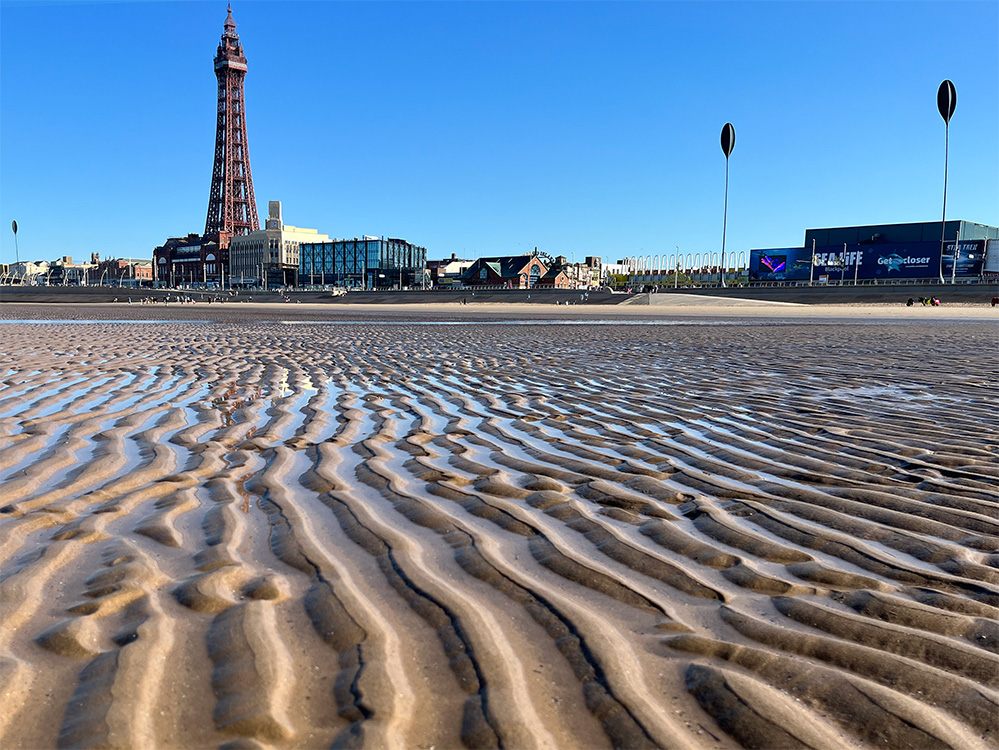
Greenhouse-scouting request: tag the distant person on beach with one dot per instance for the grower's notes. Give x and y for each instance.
(995, 301)
(909, 303)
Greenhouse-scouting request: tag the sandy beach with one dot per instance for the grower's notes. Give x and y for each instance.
(681, 526)
(664, 307)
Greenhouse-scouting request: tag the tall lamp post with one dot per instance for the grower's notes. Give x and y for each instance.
(727, 144)
(17, 254)
(946, 104)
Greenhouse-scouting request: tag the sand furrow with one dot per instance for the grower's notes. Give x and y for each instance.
(966, 700)
(378, 532)
(117, 698)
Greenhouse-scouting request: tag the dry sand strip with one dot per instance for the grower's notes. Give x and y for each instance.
(228, 531)
(664, 307)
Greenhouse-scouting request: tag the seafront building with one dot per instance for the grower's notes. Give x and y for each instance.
(366, 263)
(25, 271)
(534, 270)
(556, 278)
(562, 274)
(64, 271)
(270, 257)
(123, 271)
(509, 271)
(882, 253)
(191, 260)
(445, 272)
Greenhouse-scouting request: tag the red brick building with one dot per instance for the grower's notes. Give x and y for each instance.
(511, 271)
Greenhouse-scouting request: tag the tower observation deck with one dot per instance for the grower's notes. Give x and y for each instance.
(232, 209)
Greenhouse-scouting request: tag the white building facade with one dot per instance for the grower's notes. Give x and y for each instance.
(271, 253)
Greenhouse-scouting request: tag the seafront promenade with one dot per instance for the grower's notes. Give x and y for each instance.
(306, 525)
(981, 293)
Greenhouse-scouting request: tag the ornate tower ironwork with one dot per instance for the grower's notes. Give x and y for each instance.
(232, 209)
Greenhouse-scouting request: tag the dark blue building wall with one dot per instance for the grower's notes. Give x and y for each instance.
(926, 231)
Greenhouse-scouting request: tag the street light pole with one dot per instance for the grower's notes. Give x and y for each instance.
(946, 104)
(727, 144)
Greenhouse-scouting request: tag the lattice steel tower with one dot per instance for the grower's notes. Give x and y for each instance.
(232, 209)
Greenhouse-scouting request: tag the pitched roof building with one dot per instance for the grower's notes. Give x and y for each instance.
(511, 271)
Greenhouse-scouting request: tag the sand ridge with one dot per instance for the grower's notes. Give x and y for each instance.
(249, 533)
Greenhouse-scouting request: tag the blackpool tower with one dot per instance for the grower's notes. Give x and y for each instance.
(232, 209)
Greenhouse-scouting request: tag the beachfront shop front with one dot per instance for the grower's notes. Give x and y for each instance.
(880, 254)
(885, 263)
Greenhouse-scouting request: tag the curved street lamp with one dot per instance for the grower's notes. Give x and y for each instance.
(727, 144)
(946, 104)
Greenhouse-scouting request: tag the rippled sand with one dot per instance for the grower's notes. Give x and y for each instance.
(411, 536)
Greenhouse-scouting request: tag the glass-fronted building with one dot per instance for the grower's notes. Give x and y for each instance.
(368, 263)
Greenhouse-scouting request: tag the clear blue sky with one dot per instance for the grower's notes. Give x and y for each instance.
(490, 128)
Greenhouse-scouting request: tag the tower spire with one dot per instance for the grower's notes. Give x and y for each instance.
(232, 208)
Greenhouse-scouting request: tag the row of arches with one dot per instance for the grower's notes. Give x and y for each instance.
(653, 264)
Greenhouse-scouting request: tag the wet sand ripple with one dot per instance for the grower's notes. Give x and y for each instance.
(403, 535)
